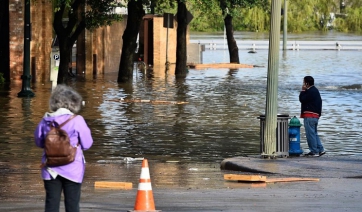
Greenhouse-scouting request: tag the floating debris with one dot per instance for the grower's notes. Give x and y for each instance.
(147, 101)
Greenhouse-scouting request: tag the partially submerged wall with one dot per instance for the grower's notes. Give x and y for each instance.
(105, 42)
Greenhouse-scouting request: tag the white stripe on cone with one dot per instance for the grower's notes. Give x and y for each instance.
(145, 173)
(145, 186)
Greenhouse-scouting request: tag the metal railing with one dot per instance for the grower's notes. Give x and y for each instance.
(291, 45)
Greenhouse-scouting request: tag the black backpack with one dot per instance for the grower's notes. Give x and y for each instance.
(57, 147)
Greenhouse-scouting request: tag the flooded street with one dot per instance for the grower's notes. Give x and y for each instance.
(184, 143)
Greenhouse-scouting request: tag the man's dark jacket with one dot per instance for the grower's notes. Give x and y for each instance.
(311, 100)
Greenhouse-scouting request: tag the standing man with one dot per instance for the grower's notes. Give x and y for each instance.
(311, 110)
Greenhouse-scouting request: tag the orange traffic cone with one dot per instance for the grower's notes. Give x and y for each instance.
(144, 199)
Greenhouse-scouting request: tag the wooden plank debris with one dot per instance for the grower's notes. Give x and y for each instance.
(219, 65)
(113, 185)
(260, 178)
(148, 101)
(290, 179)
(249, 178)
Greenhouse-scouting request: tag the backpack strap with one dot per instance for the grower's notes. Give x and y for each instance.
(64, 123)
(52, 123)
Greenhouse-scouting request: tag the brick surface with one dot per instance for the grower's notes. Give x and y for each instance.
(103, 44)
(161, 44)
(16, 39)
(41, 39)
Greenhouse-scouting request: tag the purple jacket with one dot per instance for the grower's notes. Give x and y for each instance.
(77, 130)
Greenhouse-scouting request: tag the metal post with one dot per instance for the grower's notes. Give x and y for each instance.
(167, 63)
(285, 26)
(26, 77)
(272, 81)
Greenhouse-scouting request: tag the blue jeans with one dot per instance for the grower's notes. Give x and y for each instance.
(71, 191)
(314, 143)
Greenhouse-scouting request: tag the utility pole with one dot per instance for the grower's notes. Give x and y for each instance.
(272, 81)
(26, 77)
(285, 25)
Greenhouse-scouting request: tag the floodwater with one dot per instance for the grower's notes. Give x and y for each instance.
(184, 143)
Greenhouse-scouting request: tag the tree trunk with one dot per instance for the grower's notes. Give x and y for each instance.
(135, 14)
(80, 51)
(181, 54)
(233, 48)
(80, 55)
(67, 35)
(64, 52)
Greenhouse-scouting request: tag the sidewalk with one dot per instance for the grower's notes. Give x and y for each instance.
(338, 190)
(302, 166)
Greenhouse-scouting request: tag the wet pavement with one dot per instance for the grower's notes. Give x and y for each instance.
(339, 188)
(303, 166)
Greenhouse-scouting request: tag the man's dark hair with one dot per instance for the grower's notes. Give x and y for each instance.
(309, 80)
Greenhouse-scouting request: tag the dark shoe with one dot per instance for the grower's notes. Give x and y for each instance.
(322, 153)
(311, 154)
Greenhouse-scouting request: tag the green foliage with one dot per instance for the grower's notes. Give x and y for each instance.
(98, 13)
(354, 19)
(252, 19)
(209, 16)
(340, 25)
(250, 15)
(302, 16)
(58, 4)
(164, 6)
(233, 7)
(101, 13)
(323, 8)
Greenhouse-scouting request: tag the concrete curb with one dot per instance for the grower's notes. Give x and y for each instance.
(322, 167)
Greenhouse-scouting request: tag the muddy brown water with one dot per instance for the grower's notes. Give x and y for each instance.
(184, 143)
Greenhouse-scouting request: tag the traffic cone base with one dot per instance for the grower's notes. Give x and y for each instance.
(144, 211)
(144, 200)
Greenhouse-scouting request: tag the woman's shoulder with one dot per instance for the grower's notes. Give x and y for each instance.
(80, 121)
(78, 117)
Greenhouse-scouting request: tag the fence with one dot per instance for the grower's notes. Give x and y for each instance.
(291, 45)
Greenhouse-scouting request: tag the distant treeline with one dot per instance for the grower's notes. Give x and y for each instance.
(303, 15)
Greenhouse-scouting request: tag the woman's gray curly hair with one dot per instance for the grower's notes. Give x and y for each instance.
(65, 97)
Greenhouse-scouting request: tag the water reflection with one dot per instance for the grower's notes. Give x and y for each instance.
(219, 121)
